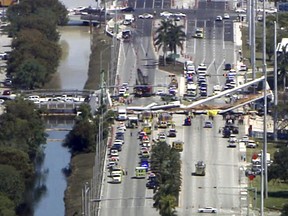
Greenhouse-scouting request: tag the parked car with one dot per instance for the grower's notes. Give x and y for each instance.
(251, 144)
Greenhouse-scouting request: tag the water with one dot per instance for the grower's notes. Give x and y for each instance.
(73, 69)
(72, 73)
(56, 158)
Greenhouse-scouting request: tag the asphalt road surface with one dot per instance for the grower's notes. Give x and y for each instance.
(220, 187)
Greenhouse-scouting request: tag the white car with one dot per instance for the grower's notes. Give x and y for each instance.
(251, 144)
(232, 138)
(179, 14)
(240, 10)
(207, 210)
(166, 14)
(232, 145)
(219, 18)
(145, 16)
(226, 16)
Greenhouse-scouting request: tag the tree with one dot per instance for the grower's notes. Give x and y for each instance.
(169, 36)
(81, 138)
(176, 38)
(12, 183)
(167, 205)
(162, 37)
(284, 211)
(18, 159)
(283, 64)
(22, 127)
(33, 59)
(7, 207)
(279, 167)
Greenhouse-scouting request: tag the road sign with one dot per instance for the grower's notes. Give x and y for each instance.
(282, 6)
(174, 56)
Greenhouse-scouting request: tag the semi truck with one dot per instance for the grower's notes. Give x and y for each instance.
(200, 168)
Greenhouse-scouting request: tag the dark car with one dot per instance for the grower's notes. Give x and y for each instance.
(227, 67)
(151, 184)
(117, 147)
(8, 82)
(128, 9)
(171, 133)
(119, 137)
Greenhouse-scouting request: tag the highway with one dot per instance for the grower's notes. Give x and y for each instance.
(220, 187)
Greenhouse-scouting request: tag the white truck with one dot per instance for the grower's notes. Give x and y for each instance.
(192, 90)
(121, 114)
(128, 19)
(200, 168)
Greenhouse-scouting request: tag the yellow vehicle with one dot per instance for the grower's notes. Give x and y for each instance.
(199, 33)
(6, 3)
(147, 128)
(165, 118)
(178, 145)
(140, 172)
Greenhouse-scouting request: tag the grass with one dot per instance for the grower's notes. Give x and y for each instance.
(277, 191)
(82, 168)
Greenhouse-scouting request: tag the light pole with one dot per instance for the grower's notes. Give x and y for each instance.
(86, 200)
(275, 83)
(265, 104)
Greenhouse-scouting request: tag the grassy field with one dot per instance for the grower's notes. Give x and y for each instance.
(246, 50)
(277, 191)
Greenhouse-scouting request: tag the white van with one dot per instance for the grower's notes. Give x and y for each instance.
(128, 19)
(121, 114)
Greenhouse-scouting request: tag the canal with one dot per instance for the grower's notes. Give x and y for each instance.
(72, 74)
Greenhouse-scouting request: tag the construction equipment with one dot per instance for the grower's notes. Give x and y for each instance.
(200, 168)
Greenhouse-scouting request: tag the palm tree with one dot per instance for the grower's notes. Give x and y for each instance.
(176, 38)
(162, 38)
(167, 206)
(283, 63)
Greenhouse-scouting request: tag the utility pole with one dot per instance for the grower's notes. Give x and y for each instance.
(264, 158)
(262, 186)
(275, 83)
(253, 33)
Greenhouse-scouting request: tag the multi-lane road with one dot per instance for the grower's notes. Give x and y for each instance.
(220, 187)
